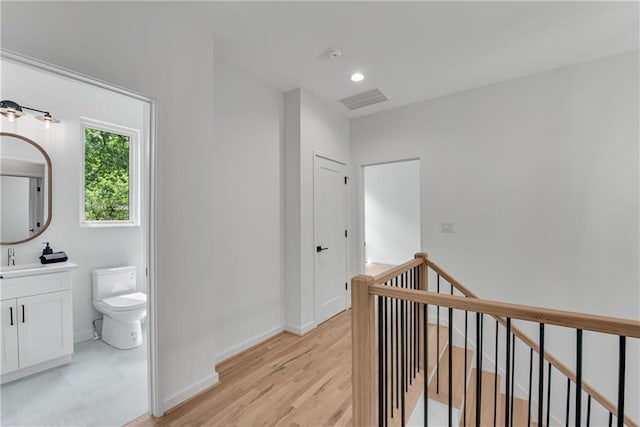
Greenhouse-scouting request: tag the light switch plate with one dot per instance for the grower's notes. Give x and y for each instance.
(447, 227)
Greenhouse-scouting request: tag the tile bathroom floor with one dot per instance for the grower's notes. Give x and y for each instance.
(102, 386)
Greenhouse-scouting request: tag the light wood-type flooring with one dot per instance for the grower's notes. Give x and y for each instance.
(290, 381)
(287, 380)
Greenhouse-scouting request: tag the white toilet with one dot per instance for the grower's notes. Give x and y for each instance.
(115, 296)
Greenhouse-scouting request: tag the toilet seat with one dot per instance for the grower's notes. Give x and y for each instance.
(126, 302)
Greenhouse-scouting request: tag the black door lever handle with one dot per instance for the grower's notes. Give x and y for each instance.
(320, 249)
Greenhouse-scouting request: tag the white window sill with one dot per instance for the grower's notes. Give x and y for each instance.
(107, 224)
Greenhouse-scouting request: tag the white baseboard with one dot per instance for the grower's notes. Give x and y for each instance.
(300, 330)
(188, 392)
(83, 336)
(247, 344)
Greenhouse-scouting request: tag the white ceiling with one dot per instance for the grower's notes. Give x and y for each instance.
(413, 50)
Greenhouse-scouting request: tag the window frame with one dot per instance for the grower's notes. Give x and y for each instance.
(134, 173)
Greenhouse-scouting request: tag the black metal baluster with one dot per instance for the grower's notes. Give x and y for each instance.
(478, 368)
(438, 338)
(621, 369)
(407, 339)
(397, 350)
(566, 415)
(508, 373)
(549, 395)
(464, 410)
(513, 374)
(416, 328)
(386, 360)
(391, 358)
(450, 377)
(403, 355)
(381, 371)
(588, 410)
(394, 337)
(578, 377)
(495, 379)
(530, 382)
(541, 375)
(610, 419)
(425, 338)
(413, 329)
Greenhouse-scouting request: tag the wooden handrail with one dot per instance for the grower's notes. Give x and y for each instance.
(587, 322)
(564, 369)
(396, 271)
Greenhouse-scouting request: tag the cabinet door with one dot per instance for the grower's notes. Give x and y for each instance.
(9, 351)
(44, 327)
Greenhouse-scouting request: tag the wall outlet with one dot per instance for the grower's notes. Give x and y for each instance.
(447, 227)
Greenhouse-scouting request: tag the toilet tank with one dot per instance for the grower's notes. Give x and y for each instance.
(109, 282)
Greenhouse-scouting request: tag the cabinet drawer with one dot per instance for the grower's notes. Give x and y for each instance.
(24, 286)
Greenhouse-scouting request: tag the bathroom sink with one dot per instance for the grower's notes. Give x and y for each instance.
(21, 270)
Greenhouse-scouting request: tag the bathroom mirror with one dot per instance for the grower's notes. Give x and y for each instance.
(25, 189)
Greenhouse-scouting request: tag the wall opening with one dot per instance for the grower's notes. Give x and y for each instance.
(391, 213)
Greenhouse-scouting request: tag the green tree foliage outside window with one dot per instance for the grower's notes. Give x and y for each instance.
(106, 176)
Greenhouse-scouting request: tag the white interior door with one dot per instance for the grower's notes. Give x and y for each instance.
(330, 223)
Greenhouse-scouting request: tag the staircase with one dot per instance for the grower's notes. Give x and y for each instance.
(399, 317)
(462, 391)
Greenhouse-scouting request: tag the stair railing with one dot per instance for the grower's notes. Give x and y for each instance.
(391, 354)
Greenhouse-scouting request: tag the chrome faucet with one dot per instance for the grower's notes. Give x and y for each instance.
(12, 256)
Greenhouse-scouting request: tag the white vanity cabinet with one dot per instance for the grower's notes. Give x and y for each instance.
(37, 319)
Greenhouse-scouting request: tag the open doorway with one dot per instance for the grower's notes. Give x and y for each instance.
(102, 375)
(391, 214)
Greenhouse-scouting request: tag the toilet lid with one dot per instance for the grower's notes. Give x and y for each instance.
(126, 302)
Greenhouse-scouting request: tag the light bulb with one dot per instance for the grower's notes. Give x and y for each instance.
(357, 77)
(11, 116)
(47, 124)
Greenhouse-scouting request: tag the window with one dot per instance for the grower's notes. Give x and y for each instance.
(109, 190)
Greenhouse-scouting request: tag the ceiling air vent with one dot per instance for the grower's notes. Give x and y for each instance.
(363, 99)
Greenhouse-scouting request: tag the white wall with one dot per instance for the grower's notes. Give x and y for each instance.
(247, 250)
(156, 52)
(90, 248)
(541, 176)
(392, 211)
(310, 128)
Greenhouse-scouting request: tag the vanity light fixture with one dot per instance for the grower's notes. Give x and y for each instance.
(357, 77)
(12, 110)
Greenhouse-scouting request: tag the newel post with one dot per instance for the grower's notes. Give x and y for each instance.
(423, 285)
(363, 340)
(424, 270)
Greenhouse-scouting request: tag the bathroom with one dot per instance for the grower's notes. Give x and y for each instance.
(101, 384)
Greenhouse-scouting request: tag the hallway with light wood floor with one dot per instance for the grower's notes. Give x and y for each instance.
(287, 380)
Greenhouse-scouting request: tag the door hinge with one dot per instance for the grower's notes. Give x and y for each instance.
(346, 178)
(38, 189)
(146, 271)
(346, 234)
(346, 286)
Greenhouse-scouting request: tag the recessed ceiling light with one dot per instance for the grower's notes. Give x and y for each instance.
(357, 77)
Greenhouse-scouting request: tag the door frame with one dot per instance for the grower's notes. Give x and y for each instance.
(147, 205)
(361, 215)
(346, 240)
